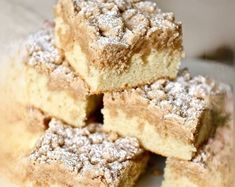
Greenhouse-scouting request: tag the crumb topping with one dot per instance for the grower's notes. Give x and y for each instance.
(41, 50)
(122, 21)
(86, 151)
(184, 98)
(41, 53)
(116, 29)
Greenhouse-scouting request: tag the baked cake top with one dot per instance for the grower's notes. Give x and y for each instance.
(86, 151)
(116, 29)
(183, 99)
(40, 52)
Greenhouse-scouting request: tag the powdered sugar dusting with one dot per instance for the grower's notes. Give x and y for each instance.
(40, 49)
(86, 151)
(116, 19)
(185, 97)
(40, 52)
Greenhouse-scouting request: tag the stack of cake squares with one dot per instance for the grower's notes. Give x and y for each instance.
(121, 57)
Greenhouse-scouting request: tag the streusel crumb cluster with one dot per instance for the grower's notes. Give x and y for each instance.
(41, 53)
(123, 22)
(87, 151)
(184, 97)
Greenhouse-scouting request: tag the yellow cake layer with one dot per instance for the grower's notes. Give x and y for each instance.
(162, 142)
(58, 103)
(141, 71)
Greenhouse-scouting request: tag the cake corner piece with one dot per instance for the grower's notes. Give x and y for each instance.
(106, 45)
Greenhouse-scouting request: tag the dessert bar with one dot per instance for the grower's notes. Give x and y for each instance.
(67, 156)
(170, 118)
(114, 45)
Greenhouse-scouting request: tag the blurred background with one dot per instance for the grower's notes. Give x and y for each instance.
(208, 26)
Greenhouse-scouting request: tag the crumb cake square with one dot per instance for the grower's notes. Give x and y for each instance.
(170, 118)
(51, 84)
(118, 44)
(212, 166)
(88, 157)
